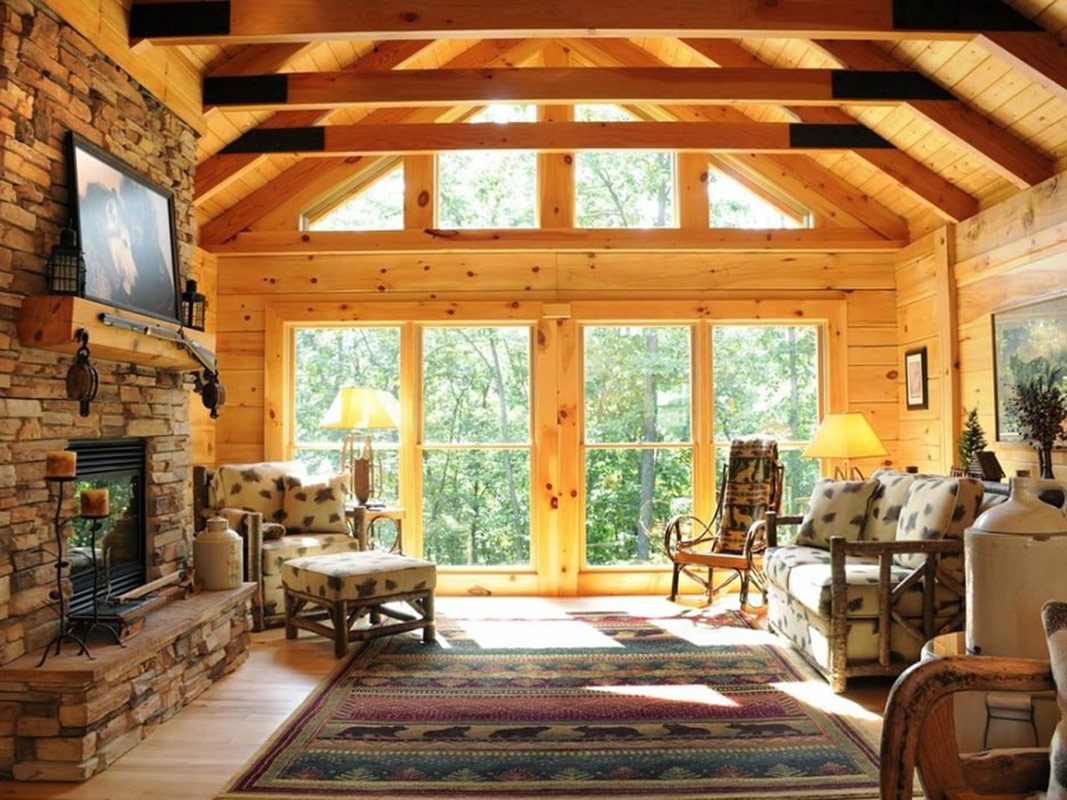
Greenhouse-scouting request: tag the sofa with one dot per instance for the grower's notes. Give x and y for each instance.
(860, 593)
(281, 513)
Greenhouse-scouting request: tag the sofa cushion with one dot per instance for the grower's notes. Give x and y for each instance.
(836, 508)
(887, 504)
(811, 633)
(315, 505)
(804, 573)
(937, 508)
(254, 487)
(278, 551)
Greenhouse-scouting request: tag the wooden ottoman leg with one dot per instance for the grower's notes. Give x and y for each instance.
(340, 629)
(290, 612)
(429, 632)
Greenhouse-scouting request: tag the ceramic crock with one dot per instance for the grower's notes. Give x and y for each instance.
(218, 556)
(1016, 560)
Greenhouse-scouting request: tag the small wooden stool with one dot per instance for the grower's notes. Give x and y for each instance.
(349, 585)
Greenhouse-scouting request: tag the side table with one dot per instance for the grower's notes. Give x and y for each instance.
(363, 517)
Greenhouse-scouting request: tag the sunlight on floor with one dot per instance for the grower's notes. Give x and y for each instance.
(696, 630)
(817, 694)
(690, 693)
(547, 634)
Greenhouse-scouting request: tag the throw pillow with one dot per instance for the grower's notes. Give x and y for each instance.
(254, 487)
(1054, 615)
(936, 508)
(837, 508)
(887, 504)
(315, 505)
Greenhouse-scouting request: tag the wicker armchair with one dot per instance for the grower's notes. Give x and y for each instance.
(733, 540)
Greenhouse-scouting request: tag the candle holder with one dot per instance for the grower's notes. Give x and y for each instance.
(92, 622)
(64, 633)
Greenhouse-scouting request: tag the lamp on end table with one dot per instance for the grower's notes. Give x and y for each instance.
(845, 437)
(361, 408)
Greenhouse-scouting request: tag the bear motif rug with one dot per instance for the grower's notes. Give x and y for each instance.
(593, 705)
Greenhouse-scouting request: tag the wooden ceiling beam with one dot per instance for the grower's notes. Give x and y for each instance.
(1040, 57)
(217, 171)
(559, 137)
(997, 148)
(229, 21)
(556, 240)
(257, 59)
(301, 185)
(921, 182)
(551, 86)
(831, 197)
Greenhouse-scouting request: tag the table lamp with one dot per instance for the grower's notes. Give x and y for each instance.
(360, 408)
(845, 436)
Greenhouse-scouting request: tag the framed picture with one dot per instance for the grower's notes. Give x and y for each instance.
(915, 379)
(125, 227)
(1029, 341)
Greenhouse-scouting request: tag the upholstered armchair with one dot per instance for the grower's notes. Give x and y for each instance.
(254, 498)
(733, 540)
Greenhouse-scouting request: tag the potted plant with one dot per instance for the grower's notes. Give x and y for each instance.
(972, 439)
(1040, 407)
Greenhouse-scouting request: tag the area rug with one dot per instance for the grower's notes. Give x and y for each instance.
(691, 706)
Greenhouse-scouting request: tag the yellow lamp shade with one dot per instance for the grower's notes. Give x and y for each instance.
(362, 408)
(845, 436)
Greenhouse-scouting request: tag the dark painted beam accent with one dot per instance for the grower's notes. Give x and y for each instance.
(207, 18)
(246, 89)
(959, 15)
(278, 140)
(836, 137)
(863, 84)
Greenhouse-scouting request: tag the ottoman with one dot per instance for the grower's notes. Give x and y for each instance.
(353, 584)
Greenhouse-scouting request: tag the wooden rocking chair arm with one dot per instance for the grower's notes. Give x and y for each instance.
(918, 690)
(672, 534)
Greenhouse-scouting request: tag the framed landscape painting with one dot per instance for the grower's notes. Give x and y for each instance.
(125, 227)
(1029, 341)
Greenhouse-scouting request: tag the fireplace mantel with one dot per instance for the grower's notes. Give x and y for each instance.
(52, 322)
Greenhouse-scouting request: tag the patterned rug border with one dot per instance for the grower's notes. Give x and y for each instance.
(258, 763)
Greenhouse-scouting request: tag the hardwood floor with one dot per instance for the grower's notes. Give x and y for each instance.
(191, 755)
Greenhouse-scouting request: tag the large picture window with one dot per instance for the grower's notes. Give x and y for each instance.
(766, 381)
(476, 445)
(638, 439)
(325, 359)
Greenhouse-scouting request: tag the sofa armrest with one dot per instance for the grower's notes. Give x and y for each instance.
(907, 546)
(773, 520)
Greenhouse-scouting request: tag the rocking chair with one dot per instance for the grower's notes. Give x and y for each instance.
(733, 540)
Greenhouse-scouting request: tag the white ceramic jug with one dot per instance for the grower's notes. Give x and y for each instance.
(1016, 560)
(218, 556)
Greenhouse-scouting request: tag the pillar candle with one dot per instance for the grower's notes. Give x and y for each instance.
(60, 464)
(94, 503)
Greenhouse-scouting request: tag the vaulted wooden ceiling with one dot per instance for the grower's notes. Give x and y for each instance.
(1001, 128)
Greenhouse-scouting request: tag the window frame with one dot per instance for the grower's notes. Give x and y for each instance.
(585, 446)
(422, 446)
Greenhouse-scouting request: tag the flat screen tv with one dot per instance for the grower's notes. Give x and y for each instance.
(125, 226)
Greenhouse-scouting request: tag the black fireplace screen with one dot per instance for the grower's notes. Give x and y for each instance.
(118, 466)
